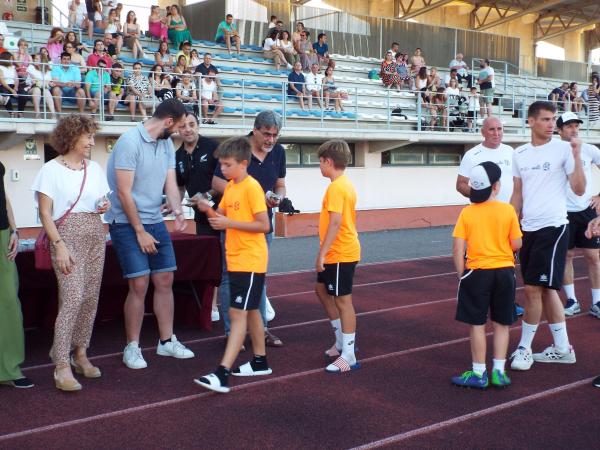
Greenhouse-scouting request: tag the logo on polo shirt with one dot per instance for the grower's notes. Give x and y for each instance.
(180, 166)
(546, 166)
(203, 158)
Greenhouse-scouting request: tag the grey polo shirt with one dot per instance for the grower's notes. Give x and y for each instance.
(150, 159)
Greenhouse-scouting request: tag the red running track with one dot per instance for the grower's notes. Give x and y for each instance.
(409, 345)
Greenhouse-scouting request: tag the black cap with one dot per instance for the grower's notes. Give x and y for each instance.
(481, 179)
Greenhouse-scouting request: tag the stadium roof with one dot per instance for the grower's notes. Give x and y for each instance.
(551, 17)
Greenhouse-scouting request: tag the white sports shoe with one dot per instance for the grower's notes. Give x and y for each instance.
(174, 348)
(572, 307)
(521, 359)
(553, 355)
(269, 310)
(595, 310)
(132, 356)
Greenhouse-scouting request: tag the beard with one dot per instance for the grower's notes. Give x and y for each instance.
(166, 134)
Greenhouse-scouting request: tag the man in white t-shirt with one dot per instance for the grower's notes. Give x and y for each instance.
(462, 69)
(314, 85)
(78, 17)
(542, 169)
(580, 212)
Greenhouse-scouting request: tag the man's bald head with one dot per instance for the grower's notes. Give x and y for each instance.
(492, 132)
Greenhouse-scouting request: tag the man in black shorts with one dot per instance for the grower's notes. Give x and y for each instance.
(195, 167)
(580, 213)
(542, 169)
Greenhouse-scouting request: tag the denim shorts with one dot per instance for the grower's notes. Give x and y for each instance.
(134, 263)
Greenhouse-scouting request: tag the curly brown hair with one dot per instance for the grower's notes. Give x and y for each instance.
(69, 129)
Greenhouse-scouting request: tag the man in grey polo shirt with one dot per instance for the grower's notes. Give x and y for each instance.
(140, 168)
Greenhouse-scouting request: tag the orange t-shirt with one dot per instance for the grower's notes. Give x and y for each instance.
(488, 228)
(244, 251)
(340, 198)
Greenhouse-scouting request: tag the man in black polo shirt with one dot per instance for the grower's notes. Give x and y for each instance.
(205, 67)
(195, 168)
(268, 167)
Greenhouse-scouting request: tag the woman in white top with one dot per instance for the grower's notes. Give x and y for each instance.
(453, 92)
(38, 80)
(287, 48)
(132, 34)
(270, 50)
(195, 60)
(77, 242)
(209, 97)
(9, 82)
(187, 93)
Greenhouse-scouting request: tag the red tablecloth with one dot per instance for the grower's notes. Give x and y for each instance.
(198, 269)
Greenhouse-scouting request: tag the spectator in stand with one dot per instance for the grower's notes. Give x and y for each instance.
(314, 86)
(187, 93)
(78, 17)
(178, 70)
(109, 46)
(226, 32)
(139, 92)
(322, 49)
(157, 25)
(271, 51)
(114, 27)
(2, 49)
(206, 66)
(574, 99)
(118, 11)
(434, 80)
(76, 58)
(472, 108)
(55, 44)
(66, 83)
(273, 21)
(593, 104)
(277, 27)
(296, 35)
(395, 48)
(107, 5)
(210, 98)
(287, 48)
(440, 108)
(40, 77)
(132, 32)
(185, 49)
(422, 85)
(117, 90)
(97, 86)
(163, 57)
(72, 38)
(403, 69)
(195, 60)
(98, 54)
(453, 92)
(45, 55)
(9, 82)
(486, 86)
(296, 84)
(453, 75)
(462, 69)
(330, 91)
(558, 96)
(416, 62)
(178, 31)
(22, 58)
(389, 72)
(160, 83)
(100, 18)
(308, 55)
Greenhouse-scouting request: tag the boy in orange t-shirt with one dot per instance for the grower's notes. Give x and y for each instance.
(489, 230)
(339, 253)
(243, 213)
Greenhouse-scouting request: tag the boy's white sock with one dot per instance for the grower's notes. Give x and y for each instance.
(595, 296)
(479, 368)
(527, 334)
(337, 329)
(559, 334)
(570, 291)
(499, 365)
(348, 348)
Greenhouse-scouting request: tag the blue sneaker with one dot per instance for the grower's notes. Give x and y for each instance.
(519, 309)
(471, 379)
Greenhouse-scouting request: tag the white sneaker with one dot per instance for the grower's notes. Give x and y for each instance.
(289, 66)
(553, 355)
(174, 348)
(572, 307)
(269, 310)
(595, 310)
(215, 316)
(521, 359)
(132, 356)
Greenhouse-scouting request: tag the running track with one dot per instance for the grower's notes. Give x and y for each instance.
(409, 345)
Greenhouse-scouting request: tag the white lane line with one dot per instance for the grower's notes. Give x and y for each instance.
(474, 415)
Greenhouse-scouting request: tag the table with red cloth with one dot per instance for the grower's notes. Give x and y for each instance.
(198, 273)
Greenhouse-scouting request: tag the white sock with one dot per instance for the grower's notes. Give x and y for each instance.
(479, 368)
(348, 348)
(527, 334)
(595, 296)
(570, 291)
(499, 365)
(337, 329)
(559, 334)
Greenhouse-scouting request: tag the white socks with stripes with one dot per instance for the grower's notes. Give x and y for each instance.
(348, 348)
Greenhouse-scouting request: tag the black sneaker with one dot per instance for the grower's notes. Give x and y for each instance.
(20, 383)
(596, 381)
(109, 118)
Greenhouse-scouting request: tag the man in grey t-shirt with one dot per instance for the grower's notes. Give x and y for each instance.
(140, 168)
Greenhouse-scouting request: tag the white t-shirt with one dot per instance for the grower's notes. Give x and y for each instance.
(38, 76)
(544, 173)
(97, 17)
(80, 12)
(269, 43)
(473, 102)
(463, 67)
(313, 81)
(452, 91)
(503, 156)
(590, 155)
(286, 47)
(9, 74)
(62, 185)
(208, 89)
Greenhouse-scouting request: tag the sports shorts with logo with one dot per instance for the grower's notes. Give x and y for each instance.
(338, 278)
(483, 290)
(578, 222)
(245, 289)
(543, 256)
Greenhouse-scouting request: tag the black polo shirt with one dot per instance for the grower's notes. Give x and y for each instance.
(195, 172)
(203, 70)
(266, 172)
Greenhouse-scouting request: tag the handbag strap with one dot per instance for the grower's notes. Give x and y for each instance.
(64, 216)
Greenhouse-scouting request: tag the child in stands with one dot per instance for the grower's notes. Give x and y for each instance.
(489, 232)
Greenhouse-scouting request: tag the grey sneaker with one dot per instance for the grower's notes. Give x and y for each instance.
(521, 359)
(572, 307)
(132, 356)
(595, 310)
(553, 355)
(174, 348)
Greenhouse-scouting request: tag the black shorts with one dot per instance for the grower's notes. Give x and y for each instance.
(470, 114)
(578, 222)
(338, 278)
(246, 289)
(480, 290)
(204, 229)
(543, 256)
